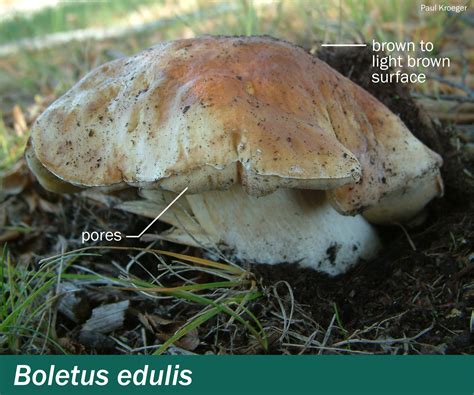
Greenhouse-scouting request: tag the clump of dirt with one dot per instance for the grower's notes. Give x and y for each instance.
(424, 276)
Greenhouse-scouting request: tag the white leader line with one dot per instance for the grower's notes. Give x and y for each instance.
(158, 217)
(343, 45)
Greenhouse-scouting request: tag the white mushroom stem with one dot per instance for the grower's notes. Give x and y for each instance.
(286, 226)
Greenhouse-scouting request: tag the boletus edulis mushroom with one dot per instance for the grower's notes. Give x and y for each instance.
(285, 159)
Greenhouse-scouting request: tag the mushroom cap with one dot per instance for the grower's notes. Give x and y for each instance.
(211, 112)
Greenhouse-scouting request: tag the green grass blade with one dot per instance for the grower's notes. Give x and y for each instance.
(18, 309)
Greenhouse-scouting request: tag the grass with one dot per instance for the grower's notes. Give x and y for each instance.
(27, 297)
(68, 15)
(24, 307)
(11, 146)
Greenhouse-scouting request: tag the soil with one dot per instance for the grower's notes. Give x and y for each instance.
(425, 274)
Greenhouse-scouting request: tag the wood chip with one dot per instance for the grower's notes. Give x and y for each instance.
(107, 318)
(73, 303)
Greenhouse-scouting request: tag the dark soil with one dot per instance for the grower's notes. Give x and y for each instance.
(433, 286)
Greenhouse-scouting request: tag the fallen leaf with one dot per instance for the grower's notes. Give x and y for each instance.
(19, 122)
(15, 180)
(49, 207)
(31, 200)
(9, 235)
(71, 346)
(454, 313)
(164, 329)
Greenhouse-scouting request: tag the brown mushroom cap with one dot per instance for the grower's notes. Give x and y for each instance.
(400, 174)
(214, 111)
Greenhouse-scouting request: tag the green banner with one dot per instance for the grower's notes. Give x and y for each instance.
(448, 375)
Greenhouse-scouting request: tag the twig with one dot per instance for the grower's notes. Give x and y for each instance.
(451, 83)
(327, 334)
(458, 98)
(410, 241)
(402, 340)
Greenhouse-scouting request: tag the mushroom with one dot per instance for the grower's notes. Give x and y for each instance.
(285, 159)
